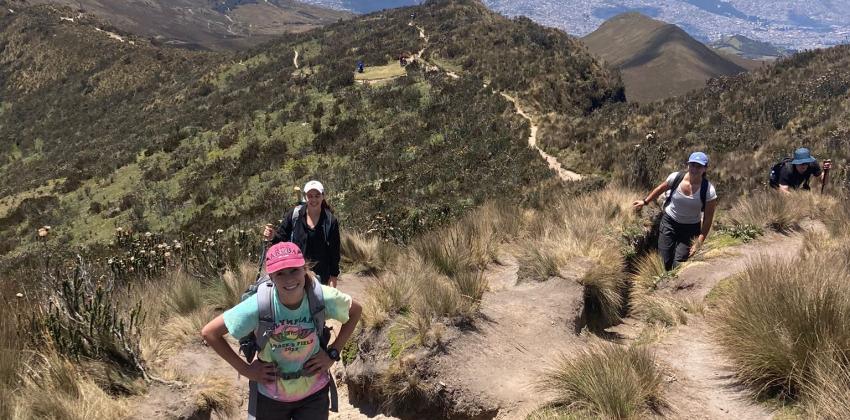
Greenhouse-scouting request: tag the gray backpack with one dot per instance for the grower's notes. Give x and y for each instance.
(254, 342)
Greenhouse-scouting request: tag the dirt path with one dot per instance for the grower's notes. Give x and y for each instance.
(295, 59)
(521, 328)
(698, 278)
(564, 173)
(703, 384)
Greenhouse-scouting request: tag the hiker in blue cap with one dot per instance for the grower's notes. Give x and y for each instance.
(791, 174)
(688, 211)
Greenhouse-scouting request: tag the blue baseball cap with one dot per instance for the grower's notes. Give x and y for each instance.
(801, 156)
(699, 157)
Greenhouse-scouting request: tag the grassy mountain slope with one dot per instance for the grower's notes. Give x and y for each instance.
(745, 123)
(657, 60)
(99, 133)
(209, 24)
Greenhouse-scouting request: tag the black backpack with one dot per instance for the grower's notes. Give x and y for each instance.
(776, 170)
(703, 189)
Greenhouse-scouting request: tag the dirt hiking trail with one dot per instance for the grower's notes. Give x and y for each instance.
(295, 59)
(553, 163)
(521, 327)
(701, 383)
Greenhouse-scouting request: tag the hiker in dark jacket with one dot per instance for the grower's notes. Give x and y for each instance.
(796, 174)
(313, 227)
(688, 211)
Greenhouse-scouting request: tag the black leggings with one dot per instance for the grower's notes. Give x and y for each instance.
(674, 241)
(314, 407)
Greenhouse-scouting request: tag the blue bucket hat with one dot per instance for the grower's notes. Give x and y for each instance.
(699, 157)
(801, 156)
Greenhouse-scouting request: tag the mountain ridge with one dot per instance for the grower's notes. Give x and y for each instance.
(658, 60)
(207, 24)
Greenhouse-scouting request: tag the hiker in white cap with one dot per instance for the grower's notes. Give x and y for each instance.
(688, 211)
(313, 227)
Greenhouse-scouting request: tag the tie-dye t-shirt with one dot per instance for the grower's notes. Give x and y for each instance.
(293, 342)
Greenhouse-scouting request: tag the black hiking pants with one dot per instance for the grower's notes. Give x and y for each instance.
(314, 407)
(674, 241)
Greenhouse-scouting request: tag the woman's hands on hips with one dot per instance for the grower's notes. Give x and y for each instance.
(319, 363)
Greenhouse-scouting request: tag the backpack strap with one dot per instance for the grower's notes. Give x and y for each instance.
(265, 304)
(327, 226)
(676, 181)
(703, 191)
(316, 301)
(296, 212)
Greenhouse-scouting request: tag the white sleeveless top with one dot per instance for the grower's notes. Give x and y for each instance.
(687, 209)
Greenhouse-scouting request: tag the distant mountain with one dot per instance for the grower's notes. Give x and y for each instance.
(657, 60)
(748, 48)
(208, 24)
(790, 23)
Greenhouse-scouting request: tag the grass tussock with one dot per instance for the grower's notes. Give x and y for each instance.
(644, 303)
(53, 388)
(605, 285)
(779, 212)
(226, 291)
(607, 381)
(828, 391)
(400, 384)
(215, 395)
(441, 274)
(366, 254)
(185, 293)
(584, 226)
(782, 314)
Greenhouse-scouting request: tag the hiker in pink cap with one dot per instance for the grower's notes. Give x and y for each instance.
(290, 378)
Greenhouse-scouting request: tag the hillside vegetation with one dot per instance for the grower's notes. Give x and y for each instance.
(657, 60)
(169, 140)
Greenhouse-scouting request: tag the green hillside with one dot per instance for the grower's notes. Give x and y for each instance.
(100, 133)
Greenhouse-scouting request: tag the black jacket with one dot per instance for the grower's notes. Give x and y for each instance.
(326, 258)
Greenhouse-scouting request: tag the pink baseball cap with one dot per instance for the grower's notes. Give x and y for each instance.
(283, 255)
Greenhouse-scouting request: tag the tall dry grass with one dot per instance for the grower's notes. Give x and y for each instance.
(650, 274)
(779, 212)
(607, 381)
(827, 392)
(226, 291)
(441, 274)
(366, 254)
(605, 286)
(781, 315)
(585, 226)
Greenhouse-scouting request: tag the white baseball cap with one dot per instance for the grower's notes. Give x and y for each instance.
(314, 185)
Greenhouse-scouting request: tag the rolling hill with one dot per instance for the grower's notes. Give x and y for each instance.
(100, 129)
(208, 24)
(657, 60)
